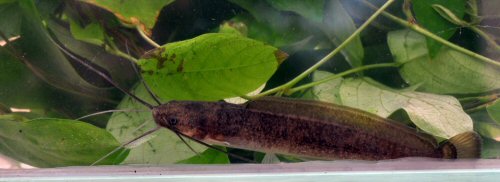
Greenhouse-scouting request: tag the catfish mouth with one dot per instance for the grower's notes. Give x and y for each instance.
(189, 132)
(156, 111)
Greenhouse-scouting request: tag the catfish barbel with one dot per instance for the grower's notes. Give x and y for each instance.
(309, 129)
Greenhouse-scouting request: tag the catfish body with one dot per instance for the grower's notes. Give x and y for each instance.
(309, 129)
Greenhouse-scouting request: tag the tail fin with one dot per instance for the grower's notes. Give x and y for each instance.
(463, 145)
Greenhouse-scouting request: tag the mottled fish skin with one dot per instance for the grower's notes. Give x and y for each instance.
(330, 136)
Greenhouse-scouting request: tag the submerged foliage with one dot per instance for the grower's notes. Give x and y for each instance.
(434, 68)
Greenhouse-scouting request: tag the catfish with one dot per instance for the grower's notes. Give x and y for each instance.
(310, 129)
(302, 128)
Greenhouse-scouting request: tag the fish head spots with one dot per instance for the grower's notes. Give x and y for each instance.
(170, 115)
(182, 116)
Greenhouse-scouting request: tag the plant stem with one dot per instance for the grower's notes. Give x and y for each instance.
(425, 32)
(474, 104)
(119, 53)
(113, 49)
(332, 77)
(473, 12)
(145, 37)
(126, 56)
(471, 99)
(304, 74)
(485, 37)
(476, 109)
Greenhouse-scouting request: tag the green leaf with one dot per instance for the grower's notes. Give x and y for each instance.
(23, 88)
(328, 91)
(311, 9)
(449, 72)
(164, 148)
(273, 31)
(135, 12)
(44, 58)
(238, 28)
(270, 158)
(112, 65)
(494, 111)
(20, 88)
(10, 21)
(7, 1)
(278, 34)
(448, 15)
(485, 125)
(260, 9)
(209, 67)
(488, 129)
(438, 115)
(431, 20)
(92, 33)
(271, 26)
(338, 26)
(209, 156)
(53, 142)
(491, 149)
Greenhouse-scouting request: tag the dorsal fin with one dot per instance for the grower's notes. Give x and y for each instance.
(315, 109)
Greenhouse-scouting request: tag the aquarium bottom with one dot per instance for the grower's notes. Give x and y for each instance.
(410, 169)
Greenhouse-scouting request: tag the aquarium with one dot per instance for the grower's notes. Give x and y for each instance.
(246, 90)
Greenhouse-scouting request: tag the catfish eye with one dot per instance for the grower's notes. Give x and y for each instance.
(172, 121)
